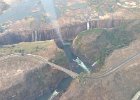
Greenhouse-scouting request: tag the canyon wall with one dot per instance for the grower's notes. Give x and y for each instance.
(68, 32)
(25, 78)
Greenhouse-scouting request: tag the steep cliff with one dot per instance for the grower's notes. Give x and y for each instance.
(119, 84)
(68, 32)
(97, 44)
(27, 78)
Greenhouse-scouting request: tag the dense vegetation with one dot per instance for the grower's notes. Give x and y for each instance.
(104, 44)
(60, 59)
(111, 40)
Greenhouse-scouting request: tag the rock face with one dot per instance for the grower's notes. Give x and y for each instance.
(68, 32)
(97, 44)
(24, 78)
(122, 84)
(27, 78)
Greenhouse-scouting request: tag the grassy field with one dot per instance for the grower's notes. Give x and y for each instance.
(43, 48)
(26, 47)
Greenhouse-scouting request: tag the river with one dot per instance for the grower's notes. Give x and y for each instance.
(64, 84)
(22, 9)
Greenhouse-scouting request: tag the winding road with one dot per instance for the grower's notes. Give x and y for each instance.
(71, 73)
(116, 67)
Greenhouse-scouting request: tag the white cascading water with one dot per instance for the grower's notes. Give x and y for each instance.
(55, 93)
(82, 65)
(88, 26)
(49, 6)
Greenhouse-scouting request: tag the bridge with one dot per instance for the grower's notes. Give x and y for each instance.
(69, 72)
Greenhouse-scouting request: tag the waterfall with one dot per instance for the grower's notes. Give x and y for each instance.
(32, 36)
(55, 93)
(88, 26)
(82, 65)
(36, 36)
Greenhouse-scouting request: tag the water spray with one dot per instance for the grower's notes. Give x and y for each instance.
(81, 64)
(49, 6)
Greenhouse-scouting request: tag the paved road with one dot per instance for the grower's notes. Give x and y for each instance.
(116, 67)
(73, 74)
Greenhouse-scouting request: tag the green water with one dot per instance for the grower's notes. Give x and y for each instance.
(64, 84)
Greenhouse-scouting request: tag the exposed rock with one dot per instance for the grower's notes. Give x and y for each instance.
(97, 44)
(68, 32)
(26, 78)
(122, 84)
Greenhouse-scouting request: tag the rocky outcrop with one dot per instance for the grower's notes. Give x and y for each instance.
(121, 84)
(24, 78)
(97, 44)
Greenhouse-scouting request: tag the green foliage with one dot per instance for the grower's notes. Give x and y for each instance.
(25, 47)
(91, 31)
(84, 33)
(81, 78)
(108, 41)
(104, 45)
(60, 59)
